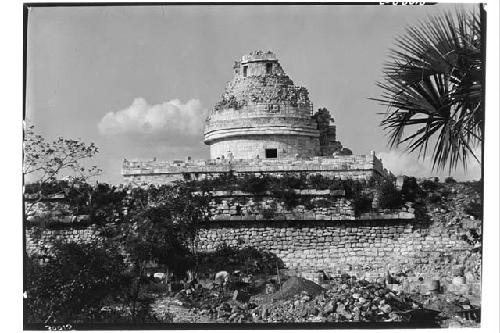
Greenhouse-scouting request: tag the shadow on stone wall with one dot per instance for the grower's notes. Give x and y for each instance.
(248, 260)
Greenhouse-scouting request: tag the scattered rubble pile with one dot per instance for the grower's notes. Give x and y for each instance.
(346, 300)
(296, 285)
(301, 300)
(455, 310)
(202, 298)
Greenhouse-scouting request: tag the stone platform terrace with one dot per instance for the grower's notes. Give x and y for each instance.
(358, 167)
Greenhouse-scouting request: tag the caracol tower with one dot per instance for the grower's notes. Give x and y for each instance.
(262, 114)
(263, 124)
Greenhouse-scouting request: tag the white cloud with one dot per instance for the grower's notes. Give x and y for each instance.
(400, 163)
(170, 120)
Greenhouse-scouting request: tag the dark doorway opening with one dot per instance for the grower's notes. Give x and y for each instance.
(272, 153)
(245, 69)
(269, 67)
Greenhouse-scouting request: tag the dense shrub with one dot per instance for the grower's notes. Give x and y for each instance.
(104, 203)
(337, 184)
(475, 209)
(74, 284)
(225, 181)
(450, 180)
(282, 186)
(290, 182)
(308, 203)
(319, 182)
(434, 198)
(476, 186)
(410, 189)
(388, 195)
(355, 191)
(352, 188)
(287, 196)
(445, 193)
(163, 223)
(269, 212)
(429, 185)
(362, 203)
(48, 188)
(253, 184)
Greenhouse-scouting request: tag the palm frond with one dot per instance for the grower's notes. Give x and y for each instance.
(432, 88)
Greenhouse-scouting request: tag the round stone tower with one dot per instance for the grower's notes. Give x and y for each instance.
(262, 114)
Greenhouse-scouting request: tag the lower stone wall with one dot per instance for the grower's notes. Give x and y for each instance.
(169, 178)
(39, 240)
(367, 249)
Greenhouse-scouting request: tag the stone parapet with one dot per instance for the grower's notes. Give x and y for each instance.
(325, 205)
(163, 172)
(350, 162)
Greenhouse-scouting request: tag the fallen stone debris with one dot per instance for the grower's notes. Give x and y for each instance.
(342, 299)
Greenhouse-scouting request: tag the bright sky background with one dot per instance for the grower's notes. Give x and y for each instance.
(95, 72)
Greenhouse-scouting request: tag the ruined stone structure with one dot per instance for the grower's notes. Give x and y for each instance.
(262, 114)
(263, 123)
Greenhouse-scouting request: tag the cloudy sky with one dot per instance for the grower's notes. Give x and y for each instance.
(138, 81)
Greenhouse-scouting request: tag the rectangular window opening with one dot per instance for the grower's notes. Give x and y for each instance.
(269, 67)
(272, 153)
(245, 69)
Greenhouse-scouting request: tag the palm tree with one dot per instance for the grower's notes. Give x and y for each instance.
(433, 86)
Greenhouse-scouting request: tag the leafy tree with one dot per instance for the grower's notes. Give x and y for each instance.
(433, 87)
(163, 225)
(44, 162)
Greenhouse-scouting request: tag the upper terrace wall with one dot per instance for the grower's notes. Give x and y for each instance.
(164, 172)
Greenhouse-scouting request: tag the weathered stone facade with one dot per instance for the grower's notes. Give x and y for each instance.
(323, 205)
(284, 145)
(261, 110)
(357, 246)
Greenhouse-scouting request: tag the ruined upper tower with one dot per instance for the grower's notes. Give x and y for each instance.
(262, 114)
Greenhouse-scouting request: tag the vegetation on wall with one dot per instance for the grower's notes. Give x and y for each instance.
(388, 195)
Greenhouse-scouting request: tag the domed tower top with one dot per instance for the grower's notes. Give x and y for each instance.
(262, 114)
